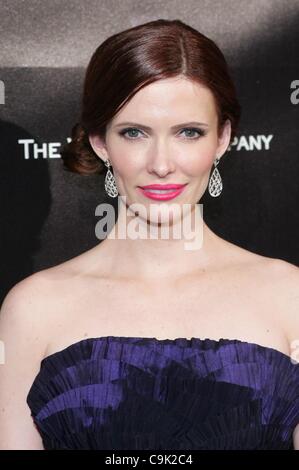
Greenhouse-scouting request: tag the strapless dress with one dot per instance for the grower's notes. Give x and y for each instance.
(116, 392)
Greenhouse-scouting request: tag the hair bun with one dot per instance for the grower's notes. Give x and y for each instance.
(78, 132)
(78, 156)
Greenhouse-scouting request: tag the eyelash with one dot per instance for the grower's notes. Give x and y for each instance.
(200, 132)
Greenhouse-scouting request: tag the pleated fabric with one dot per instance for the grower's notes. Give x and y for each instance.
(120, 393)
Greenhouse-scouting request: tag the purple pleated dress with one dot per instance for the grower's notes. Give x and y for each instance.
(122, 393)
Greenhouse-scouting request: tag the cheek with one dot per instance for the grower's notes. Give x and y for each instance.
(125, 164)
(198, 163)
(197, 159)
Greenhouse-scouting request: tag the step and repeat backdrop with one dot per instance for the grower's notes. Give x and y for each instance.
(48, 214)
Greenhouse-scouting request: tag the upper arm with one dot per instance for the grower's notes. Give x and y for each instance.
(296, 437)
(23, 345)
(288, 292)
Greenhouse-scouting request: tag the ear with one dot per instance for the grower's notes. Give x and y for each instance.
(98, 145)
(224, 139)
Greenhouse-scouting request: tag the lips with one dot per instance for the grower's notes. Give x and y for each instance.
(162, 192)
(163, 186)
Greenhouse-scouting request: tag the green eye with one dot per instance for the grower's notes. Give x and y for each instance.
(192, 130)
(126, 131)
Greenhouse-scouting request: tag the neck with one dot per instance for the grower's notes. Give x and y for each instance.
(160, 251)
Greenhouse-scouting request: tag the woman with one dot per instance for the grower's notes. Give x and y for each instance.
(150, 341)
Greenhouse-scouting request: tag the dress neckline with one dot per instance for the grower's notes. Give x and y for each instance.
(180, 341)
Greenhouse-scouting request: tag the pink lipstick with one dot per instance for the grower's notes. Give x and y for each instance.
(162, 192)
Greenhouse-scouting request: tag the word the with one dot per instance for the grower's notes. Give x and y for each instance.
(45, 150)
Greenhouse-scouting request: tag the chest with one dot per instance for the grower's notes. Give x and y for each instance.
(206, 307)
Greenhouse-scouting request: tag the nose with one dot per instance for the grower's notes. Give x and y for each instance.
(160, 160)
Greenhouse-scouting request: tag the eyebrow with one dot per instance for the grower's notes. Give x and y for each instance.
(177, 126)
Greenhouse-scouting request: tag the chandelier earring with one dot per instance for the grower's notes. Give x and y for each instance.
(215, 182)
(110, 183)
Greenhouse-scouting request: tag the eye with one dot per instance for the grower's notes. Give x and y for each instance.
(131, 133)
(200, 132)
(133, 130)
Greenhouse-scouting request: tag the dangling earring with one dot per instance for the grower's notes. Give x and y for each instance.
(110, 184)
(215, 183)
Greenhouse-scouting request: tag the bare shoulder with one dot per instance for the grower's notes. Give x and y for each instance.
(28, 308)
(265, 266)
(33, 306)
(276, 269)
(22, 311)
(285, 279)
(288, 293)
(282, 278)
(279, 278)
(274, 281)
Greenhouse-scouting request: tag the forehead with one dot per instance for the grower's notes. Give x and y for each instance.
(173, 97)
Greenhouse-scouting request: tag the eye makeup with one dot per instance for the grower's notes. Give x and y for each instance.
(196, 130)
